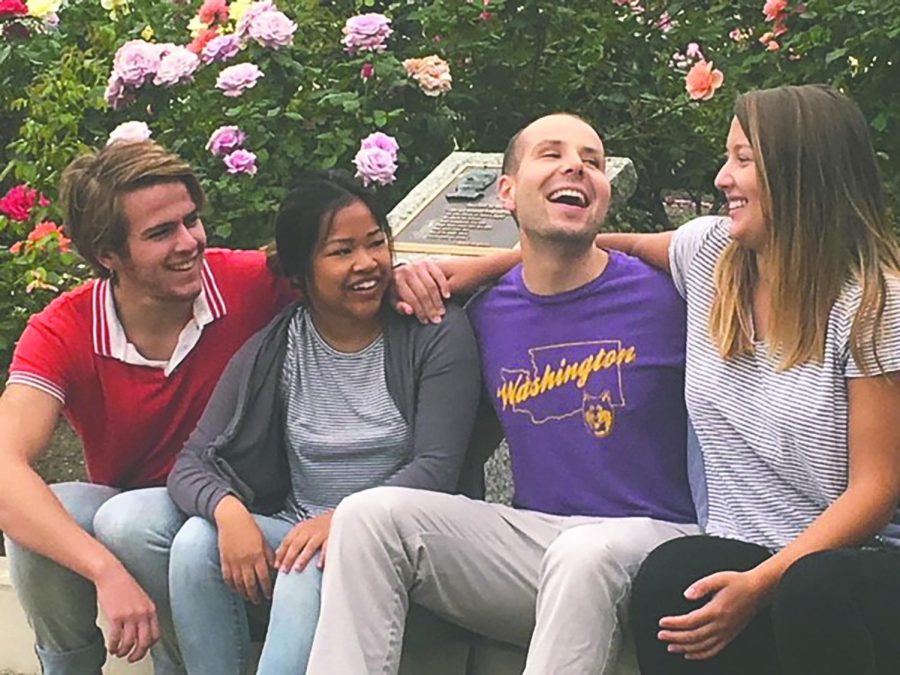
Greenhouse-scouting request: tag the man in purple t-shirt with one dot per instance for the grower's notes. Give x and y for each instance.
(583, 358)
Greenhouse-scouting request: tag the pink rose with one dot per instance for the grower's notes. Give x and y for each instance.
(235, 80)
(177, 66)
(116, 93)
(225, 140)
(241, 161)
(366, 33)
(129, 132)
(135, 61)
(702, 81)
(19, 201)
(220, 49)
(367, 71)
(272, 29)
(375, 165)
(383, 141)
(242, 30)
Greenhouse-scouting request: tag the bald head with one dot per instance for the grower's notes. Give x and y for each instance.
(513, 153)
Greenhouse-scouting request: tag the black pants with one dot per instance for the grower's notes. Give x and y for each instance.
(834, 612)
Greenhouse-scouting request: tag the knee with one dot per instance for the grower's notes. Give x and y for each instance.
(814, 585)
(198, 539)
(665, 574)
(298, 591)
(137, 520)
(372, 512)
(581, 554)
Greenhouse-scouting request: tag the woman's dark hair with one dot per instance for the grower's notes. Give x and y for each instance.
(306, 214)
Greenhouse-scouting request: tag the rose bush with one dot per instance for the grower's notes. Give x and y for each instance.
(300, 83)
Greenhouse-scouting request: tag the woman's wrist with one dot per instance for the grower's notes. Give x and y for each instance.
(229, 511)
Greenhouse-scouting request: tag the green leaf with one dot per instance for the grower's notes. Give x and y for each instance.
(835, 54)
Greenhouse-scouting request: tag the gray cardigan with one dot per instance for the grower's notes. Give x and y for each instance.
(433, 375)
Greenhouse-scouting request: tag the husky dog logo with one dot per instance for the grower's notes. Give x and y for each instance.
(599, 415)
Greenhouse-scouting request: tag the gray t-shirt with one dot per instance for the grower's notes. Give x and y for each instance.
(343, 430)
(774, 444)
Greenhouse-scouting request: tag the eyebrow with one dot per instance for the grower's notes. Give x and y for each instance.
(589, 149)
(344, 240)
(191, 215)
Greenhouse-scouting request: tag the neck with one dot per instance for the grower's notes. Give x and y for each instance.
(151, 325)
(763, 269)
(553, 267)
(346, 333)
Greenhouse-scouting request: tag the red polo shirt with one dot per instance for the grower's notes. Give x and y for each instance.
(134, 415)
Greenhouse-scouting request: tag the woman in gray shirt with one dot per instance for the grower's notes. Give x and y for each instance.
(336, 395)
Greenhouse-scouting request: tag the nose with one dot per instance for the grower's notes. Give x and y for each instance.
(723, 179)
(187, 238)
(364, 261)
(573, 164)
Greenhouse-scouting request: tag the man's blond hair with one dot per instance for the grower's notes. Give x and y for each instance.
(92, 187)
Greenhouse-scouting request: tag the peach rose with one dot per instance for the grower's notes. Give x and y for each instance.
(702, 81)
(774, 8)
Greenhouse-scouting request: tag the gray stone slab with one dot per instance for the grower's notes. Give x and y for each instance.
(436, 217)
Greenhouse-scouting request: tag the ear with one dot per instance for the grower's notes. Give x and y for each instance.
(506, 190)
(109, 260)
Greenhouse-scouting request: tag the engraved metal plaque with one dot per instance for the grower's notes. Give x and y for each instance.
(455, 210)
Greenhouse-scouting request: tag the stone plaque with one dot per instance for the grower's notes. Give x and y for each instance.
(456, 209)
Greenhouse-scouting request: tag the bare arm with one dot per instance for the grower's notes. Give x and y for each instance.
(33, 517)
(29, 511)
(860, 512)
(652, 248)
(874, 482)
(421, 288)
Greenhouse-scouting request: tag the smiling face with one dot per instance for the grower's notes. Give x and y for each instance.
(163, 253)
(351, 266)
(739, 182)
(558, 190)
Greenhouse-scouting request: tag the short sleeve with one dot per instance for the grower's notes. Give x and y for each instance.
(686, 242)
(41, 359)
(884, 355)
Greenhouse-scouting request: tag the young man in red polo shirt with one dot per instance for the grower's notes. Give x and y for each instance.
(130, 359)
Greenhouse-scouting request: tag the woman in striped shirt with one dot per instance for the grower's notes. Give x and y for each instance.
(792, 385)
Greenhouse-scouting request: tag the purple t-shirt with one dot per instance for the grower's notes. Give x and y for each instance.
(589, 389)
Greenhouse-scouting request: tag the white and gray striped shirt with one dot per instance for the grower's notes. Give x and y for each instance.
(774, 444)
(343, 430)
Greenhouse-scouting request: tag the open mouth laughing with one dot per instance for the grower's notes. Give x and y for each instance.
(569, 197)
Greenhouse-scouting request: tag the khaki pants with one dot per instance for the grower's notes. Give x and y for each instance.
(557, 584)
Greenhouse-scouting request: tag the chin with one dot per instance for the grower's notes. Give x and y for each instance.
(746, 237)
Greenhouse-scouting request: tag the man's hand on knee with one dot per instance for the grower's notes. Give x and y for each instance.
(131, 614)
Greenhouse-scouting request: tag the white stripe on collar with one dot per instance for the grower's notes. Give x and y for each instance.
(109, 335)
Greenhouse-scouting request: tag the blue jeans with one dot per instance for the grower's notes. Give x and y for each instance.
(212, 620)
(137, 527)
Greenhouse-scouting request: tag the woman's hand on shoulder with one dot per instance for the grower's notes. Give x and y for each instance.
(245, 556)
(302, 542)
